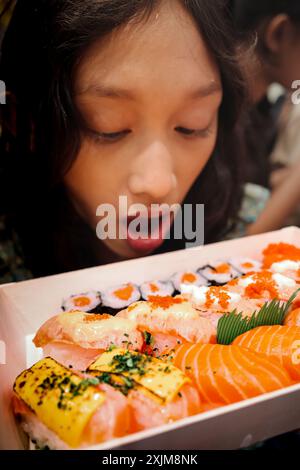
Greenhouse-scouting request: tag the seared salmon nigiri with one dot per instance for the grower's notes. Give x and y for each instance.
(158, 393)
(278, 342)
(61, 409)
(172, 316)
(228, 374)
(76, 338)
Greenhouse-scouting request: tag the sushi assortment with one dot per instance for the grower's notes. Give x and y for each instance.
(135, 357)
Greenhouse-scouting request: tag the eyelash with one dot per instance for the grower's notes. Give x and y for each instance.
(194, 132)
(113, 137)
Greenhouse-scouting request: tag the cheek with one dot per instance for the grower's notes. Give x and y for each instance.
(193, 159)
(92, 179)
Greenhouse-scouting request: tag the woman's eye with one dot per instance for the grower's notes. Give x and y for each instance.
(109, 136)
(194, 132)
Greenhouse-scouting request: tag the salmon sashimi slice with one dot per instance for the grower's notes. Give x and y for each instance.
(173, 316)
(90, 331)
(281, 343)
(293, 318)
(228, 374)
(148, 413)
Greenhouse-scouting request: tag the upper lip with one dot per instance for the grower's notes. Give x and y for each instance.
(152, 213)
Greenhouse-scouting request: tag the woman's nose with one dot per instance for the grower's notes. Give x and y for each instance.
(153, 172)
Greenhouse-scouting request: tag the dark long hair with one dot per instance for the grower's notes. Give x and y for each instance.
(249, 13)
(40, 126)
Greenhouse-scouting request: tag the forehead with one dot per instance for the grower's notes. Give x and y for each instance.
(164, 50)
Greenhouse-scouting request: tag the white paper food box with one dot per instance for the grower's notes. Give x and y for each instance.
(25, 306)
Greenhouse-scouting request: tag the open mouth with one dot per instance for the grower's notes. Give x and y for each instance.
(145, 234)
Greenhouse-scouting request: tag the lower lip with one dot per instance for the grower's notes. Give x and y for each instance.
(147, 245)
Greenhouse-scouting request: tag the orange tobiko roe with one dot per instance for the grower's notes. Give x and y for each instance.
(96, 317)
(276, 252)
(263, 283)
(165, 302)
(257, 290)
(222, 296)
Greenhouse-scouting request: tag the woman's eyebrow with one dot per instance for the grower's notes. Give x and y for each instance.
(115, 92)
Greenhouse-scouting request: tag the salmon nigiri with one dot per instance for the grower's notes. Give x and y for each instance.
(172, 316)
(228, 374)
(157, 392)
(278, 342)
(61, 409)
(76, 338)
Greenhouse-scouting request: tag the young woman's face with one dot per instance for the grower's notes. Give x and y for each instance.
(149, 95)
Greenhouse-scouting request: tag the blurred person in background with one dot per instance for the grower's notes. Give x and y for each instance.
(269, 36)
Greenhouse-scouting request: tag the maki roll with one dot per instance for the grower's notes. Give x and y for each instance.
(89, 302)
(188, 278)
(119, 298)
(219, 272)
(245, 265)
(161, 288)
